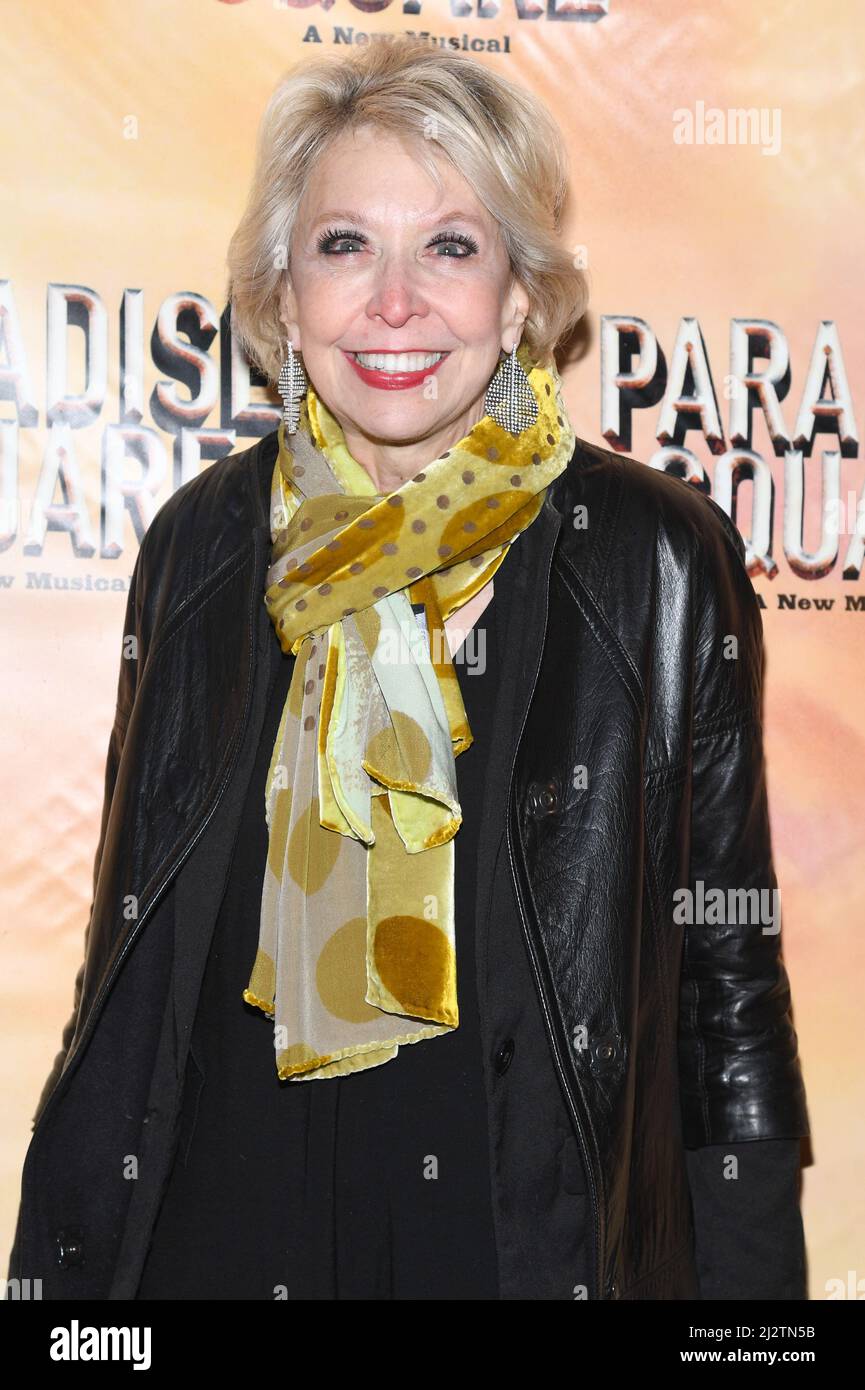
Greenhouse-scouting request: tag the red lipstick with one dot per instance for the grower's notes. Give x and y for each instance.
(393, 381)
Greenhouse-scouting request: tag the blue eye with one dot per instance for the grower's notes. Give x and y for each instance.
(460, 239)
(327, 239)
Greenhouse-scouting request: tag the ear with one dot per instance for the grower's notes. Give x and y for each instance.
(288, 313)
(514, 314)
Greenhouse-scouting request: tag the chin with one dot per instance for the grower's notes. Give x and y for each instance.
(399, 421)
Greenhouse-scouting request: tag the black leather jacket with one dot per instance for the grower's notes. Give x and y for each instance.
(634, 767)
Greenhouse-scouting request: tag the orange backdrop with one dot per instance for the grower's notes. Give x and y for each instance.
(718, 179)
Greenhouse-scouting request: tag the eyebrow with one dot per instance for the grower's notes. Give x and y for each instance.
(350, 215)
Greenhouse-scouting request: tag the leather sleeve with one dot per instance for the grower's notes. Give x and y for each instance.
(740, 1075)
(131, 662)
(750, 1243)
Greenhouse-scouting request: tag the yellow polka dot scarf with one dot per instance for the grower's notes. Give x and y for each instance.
(356, 951)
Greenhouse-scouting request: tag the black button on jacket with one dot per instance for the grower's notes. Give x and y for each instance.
(628, 766)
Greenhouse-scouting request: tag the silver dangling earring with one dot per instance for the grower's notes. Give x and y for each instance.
(510, 399)
(292, 386)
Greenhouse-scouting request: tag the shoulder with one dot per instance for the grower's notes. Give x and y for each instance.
(656, 560)
(219, 504)
(202, 525)
(638, 519)
(643, 502)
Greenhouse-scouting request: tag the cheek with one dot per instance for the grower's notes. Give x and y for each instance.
(326, 308)
(475, 312)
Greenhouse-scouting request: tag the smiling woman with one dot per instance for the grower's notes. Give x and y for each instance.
(409, 263)
(441, 890)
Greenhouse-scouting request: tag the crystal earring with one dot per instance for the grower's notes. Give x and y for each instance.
(292, 385)
(510, 399)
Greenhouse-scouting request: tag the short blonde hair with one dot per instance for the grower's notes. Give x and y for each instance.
(499, 136)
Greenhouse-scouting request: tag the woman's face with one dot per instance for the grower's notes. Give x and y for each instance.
(421, 272)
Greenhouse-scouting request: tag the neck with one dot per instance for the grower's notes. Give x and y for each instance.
(391, 463)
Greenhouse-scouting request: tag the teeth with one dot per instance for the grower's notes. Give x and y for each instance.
(398, 361)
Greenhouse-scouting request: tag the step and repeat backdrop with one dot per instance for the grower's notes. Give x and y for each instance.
(718, 180)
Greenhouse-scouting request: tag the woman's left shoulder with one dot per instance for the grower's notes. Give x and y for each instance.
(644, 514)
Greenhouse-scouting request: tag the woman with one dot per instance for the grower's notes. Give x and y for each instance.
(428, 722)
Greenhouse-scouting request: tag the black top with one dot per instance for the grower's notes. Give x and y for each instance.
(371, 1185)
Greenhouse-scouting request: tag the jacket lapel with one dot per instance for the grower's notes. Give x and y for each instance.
(201, 883)
(520, 600)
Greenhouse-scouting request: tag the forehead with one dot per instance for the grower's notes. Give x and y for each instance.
(371, 176)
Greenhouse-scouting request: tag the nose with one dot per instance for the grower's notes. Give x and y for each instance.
(396, 294)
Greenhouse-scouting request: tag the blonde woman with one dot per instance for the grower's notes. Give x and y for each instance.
(426, 728)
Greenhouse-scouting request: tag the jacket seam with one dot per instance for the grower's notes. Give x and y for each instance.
(121, 718)
(237, 560)
(654, 905)
(697, 1039)
(730, 723)
(609, 528)
(666, 772)
(260, 510)
(701, 599)
(601, 531)
(605, 636)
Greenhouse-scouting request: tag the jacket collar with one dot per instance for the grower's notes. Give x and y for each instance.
(258, 477)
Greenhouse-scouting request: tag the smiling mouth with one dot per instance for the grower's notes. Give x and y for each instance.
(398, 362)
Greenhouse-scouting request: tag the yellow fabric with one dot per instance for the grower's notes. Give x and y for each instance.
(356, 952)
